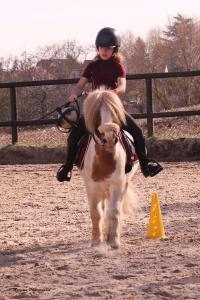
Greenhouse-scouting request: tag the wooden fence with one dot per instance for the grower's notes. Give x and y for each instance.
(14, 123)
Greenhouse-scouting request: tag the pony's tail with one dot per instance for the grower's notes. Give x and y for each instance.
(130, 201)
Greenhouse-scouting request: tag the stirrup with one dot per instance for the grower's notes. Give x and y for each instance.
(63, 174)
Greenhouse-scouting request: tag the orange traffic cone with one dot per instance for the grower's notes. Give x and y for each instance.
(155, 226)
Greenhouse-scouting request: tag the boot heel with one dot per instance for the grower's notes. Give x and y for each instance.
(155, 170)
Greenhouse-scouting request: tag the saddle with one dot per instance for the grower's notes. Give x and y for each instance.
(126, 142)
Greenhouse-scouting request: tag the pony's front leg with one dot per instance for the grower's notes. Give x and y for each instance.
(95, 205)
(113, 218)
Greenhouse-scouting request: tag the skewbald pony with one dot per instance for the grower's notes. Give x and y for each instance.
(108, 187)
(98, 99)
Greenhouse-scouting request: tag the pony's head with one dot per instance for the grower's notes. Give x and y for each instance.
(104, 114)
(109, 134)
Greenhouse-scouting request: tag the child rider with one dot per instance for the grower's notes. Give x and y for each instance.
(106, 70)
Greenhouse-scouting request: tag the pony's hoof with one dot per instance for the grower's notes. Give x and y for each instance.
(95, 243)
(115, 244)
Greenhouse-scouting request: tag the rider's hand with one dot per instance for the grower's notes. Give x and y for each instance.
(72, 98)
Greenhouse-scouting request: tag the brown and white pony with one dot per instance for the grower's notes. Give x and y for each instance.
(107, 185)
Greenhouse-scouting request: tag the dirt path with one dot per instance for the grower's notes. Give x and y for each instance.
(45, 233)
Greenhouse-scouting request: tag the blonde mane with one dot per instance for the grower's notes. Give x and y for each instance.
(98, 99)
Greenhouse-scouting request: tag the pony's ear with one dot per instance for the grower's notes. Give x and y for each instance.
(109, 127)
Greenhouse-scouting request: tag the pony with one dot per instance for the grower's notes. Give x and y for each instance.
(107, 186)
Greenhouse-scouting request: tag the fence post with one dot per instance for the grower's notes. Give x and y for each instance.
(149, 107)
(13, 114)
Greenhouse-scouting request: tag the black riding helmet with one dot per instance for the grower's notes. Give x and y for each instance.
(108, 37)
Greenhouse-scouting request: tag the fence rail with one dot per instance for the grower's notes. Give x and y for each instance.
(149, 115)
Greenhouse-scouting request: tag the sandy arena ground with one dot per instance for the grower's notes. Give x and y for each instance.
(45, 230)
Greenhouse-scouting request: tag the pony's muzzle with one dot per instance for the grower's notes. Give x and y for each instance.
(110, 139)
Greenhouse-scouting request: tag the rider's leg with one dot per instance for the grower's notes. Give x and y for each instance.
(64, 172)
(148, 167)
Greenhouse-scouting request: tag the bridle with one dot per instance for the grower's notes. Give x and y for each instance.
(101, 138)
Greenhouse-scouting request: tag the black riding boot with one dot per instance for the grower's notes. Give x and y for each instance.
(64, 172)
(149, 167)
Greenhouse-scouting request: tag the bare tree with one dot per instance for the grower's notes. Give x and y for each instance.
(183, 36)
(136, 61)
